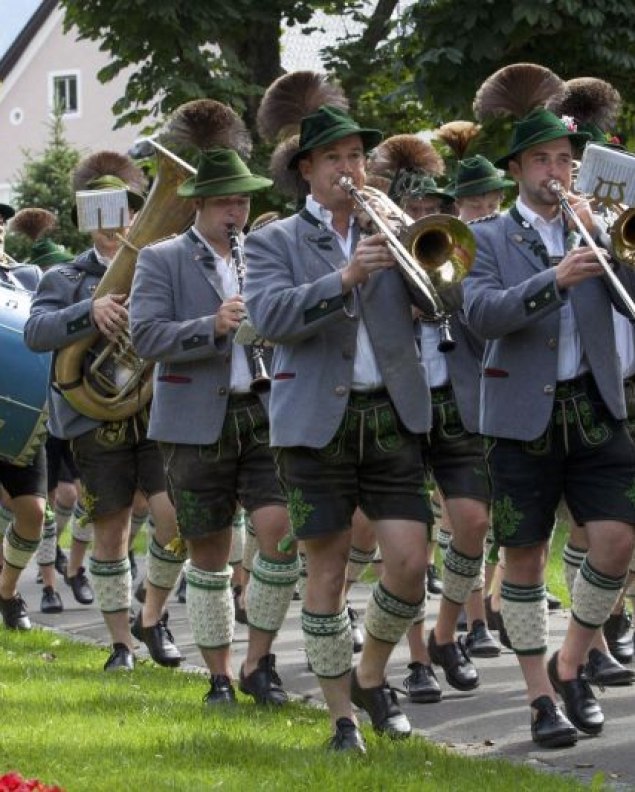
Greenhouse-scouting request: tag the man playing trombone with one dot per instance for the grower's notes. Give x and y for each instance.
(553, 409)
(349, 401)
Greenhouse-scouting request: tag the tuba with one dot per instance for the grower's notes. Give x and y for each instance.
(108, 381)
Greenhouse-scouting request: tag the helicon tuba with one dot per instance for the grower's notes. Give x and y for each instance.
(107, 381)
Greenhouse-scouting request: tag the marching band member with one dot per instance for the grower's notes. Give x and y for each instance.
(26, 486)
(38, 225)
(549, 357)
(113, 457)
(213, 430)
(345, 366)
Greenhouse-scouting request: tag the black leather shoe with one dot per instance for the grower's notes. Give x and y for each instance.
(80, 586)
(480, 642)
(553, 603)
(421, 684)
(495, 622)
(454, 660)
(121, 659)
(240, 614)
(580, 704)
(357, 634)
(434, 584)
(14, 613)
(181, 592)
(347, 737)
(61, 561)
(263, 683)
(381, 704)
(159, 641)
(221, 691)
(617, 631)
(51, 601)
(549, 727)
(605, 671)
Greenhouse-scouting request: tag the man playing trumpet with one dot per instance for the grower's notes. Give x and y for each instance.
(537, 299)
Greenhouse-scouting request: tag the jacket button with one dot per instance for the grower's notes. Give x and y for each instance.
(323, 305)
(552, 343)
(195, 339)
(548, 389)
(341, 390)
(222, 391)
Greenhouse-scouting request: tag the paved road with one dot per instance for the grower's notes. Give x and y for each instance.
(490, 721)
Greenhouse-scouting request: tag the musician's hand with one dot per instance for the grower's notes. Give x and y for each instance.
(582, 207)
(578, 265)
(229, 315)
(370, 254)
(109, 315)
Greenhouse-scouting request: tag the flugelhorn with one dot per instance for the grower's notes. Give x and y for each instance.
(601, 255)
(261, 381)
(437, 244)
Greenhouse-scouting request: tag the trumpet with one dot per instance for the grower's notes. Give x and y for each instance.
(261, 382)
(439, 243)
(601, 255)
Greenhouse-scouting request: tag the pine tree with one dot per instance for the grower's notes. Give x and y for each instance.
(45, 182)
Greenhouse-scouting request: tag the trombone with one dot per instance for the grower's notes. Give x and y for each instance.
(601, 255)
(440, 243)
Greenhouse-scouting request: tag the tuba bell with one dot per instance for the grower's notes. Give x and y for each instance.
(108, 381)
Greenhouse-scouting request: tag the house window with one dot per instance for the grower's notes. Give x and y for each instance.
(64, 92)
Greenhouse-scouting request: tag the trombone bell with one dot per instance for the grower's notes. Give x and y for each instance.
(442, 246)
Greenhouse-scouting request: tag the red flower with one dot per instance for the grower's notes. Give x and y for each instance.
(13, 782)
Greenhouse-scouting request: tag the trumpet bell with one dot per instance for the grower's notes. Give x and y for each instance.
(443, 246)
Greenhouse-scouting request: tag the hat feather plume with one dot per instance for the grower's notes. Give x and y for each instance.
(589, 100)
(34, 223)
(207, 123)
(291, 97)
(108, 163)
(405, 152)
(288, 182)
(516, 90)
(458, 135)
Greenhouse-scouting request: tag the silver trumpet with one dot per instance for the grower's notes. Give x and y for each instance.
(601, 255)
(246, 335)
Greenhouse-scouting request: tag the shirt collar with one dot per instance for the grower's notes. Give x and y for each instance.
(536, 220)
(105, 262)
(324, 215)
(207, 245)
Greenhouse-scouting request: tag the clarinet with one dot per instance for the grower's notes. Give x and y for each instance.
(261, 381)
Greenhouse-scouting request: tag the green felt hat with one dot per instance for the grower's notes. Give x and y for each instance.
(6, 211)
(45, 253)
(415, 184)
(221, 172)
(476, 176)
(600, 137)
(327, 125)
(541, 126)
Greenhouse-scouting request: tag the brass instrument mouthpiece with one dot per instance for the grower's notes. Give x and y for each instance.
(555, 186)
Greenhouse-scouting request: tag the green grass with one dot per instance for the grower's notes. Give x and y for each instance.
(555, 575)
(64, 721)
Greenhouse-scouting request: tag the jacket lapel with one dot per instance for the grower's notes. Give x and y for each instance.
(323, 242)
(204, 260)
(526, 240)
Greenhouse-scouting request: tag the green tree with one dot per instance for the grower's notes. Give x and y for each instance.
(188, 49)
(45, 183)
(451, 46)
